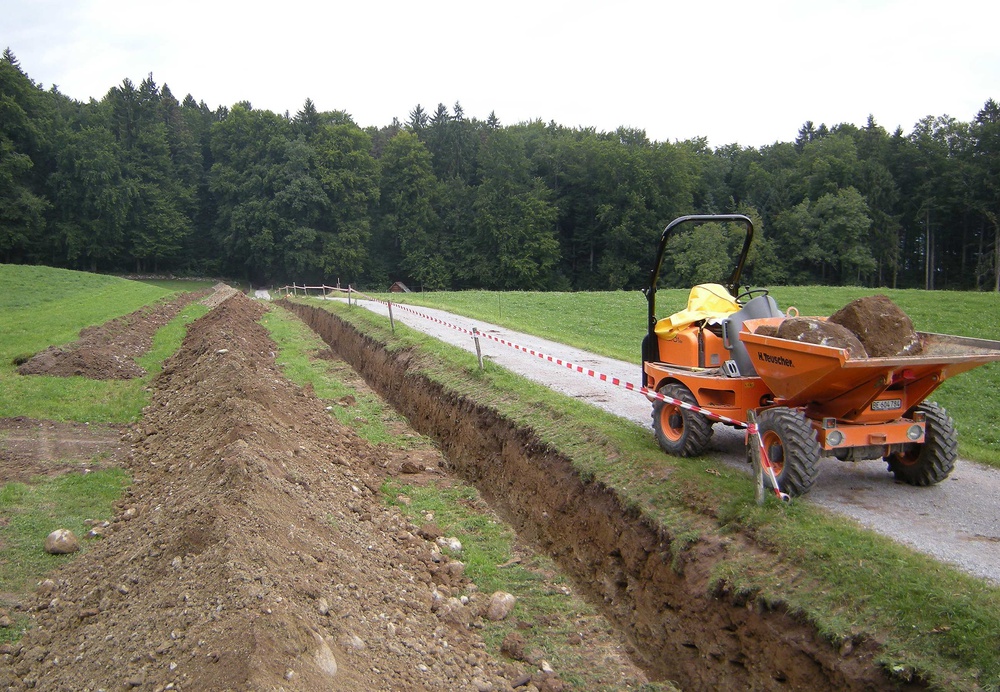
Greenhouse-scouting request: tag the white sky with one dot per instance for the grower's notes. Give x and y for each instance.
(729, 70)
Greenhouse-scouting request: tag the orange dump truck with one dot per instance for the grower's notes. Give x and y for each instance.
(810, 400)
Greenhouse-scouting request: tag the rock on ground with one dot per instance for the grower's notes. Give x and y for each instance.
(61, 542)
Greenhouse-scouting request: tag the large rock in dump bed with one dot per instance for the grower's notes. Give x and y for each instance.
(812, 331)
(884, 329)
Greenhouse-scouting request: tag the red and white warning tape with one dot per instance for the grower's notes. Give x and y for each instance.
(752, 429)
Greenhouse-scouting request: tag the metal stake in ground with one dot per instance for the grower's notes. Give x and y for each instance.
(758, 468)
(479, 352)
(761, 464)
(392, 322)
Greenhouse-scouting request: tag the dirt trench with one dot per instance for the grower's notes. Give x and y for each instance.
(681, 628)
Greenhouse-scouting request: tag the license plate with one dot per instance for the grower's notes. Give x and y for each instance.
(887, 405)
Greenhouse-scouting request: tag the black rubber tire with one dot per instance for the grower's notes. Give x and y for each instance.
(930, 462)
(792, 449)
(680, 432)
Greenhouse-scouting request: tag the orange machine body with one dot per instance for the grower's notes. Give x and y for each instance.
(865, 399)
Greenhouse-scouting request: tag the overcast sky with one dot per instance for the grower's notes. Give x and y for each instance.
(728, 70)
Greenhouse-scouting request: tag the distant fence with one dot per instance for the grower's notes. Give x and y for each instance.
(324, 290)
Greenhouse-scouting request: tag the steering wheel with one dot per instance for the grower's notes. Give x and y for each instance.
(749, 293)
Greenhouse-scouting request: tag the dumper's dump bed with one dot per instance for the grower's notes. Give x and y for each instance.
(828, 383)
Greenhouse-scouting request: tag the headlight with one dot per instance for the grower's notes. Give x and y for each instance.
(914, 432)
(834, 438)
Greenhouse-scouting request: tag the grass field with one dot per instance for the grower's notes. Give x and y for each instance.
(41, 307)
(613, 324)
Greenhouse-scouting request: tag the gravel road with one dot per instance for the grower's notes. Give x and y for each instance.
(955, 521)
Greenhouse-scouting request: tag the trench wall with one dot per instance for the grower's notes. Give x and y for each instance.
(620, 559)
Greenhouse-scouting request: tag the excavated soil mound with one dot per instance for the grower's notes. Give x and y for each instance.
(881, 326)
(252, 552)
(813, 331)
(108, 351)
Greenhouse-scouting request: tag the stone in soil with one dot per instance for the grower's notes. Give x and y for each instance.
(61, 542)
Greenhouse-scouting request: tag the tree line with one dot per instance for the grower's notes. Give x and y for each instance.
(142, 182)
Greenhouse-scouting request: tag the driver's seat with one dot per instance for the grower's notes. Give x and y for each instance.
(755, 308)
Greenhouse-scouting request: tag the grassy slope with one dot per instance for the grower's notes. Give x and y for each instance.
(613, 324)
(931, 619)
(40, 307)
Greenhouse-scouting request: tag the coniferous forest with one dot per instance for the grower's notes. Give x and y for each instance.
(143, 182)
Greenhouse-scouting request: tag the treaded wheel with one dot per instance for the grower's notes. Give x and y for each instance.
(792, 449)
(680, 432)
(932, 461)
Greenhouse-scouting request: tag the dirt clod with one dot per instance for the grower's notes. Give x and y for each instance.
(881, 326)
(513, 646)
(812, 331)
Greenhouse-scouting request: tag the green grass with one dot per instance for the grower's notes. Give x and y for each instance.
(167, 340)
(34, 510)
(332, 380)
(849, 582)
(613, 324)
(41, 307)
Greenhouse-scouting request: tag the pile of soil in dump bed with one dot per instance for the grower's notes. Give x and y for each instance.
(252, 552)
(869, 327)
(108, 351)
(884, 329)
(812, 331)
